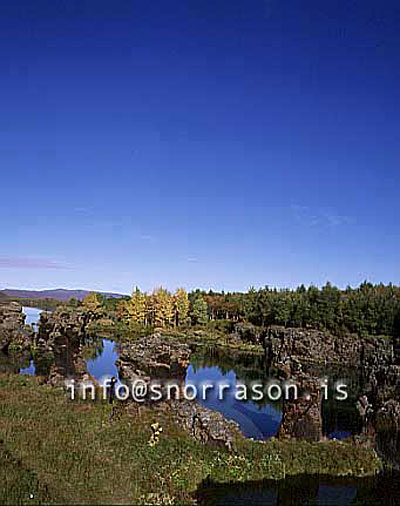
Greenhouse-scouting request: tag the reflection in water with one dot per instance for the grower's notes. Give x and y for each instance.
(31, 370)
(258, 420)
(261, 419)
(247, 366)
(341, 418)
(93, 348)
(32, 316)
(101, 364)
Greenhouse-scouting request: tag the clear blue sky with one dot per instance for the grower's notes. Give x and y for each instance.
(215, 144)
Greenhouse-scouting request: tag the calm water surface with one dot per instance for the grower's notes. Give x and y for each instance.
(32, 315)
(103, 365)
(258, 421)
(32, 318)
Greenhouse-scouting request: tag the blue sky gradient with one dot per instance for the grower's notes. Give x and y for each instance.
(214, 144)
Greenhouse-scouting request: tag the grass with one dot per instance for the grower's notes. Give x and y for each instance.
(69, 452)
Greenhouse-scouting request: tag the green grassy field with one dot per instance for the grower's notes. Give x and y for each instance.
(54, 450)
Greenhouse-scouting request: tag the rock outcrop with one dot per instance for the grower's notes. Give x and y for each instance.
(155, 357)
(13, 331)
(207, 426)
(13, 362)
(383, 383)
(247, 332)
(377, 359)
(162, 359)
(323, 347)
(60, 337)
(388, 432)
(302, 416)
(66, 323)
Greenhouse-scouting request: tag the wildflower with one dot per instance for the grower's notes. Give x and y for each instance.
(155, 436)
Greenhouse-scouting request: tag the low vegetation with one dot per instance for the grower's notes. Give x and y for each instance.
(54, 450)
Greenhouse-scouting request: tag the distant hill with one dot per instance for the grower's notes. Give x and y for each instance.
(57, 294)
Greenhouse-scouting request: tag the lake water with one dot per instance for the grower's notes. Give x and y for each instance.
(256, 420)
(103, 365)
(32, 318)
(32, 315)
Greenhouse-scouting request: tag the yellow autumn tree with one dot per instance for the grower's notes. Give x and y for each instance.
(92, 302)
(162, 308)
(137, 307)
(181, 306)
(123, 310)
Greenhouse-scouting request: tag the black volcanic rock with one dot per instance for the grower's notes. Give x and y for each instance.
(247, 332)
(302, 416)
(13, 330)
(155, 356)
(207, 426)
(388, 432)
(323, 347)
(161, 358)
(60, 337)
(66, 322)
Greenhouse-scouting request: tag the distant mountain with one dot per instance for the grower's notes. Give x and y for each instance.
(57, 294)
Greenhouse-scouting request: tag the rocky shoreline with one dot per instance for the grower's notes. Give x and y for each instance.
(155, 358)
(14, 334)
(57, 347)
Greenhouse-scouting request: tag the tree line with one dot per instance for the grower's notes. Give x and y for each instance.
(162, 308)
(366, 310)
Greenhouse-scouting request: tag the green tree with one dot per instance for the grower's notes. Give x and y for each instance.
(73, 302)
(199, 314)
